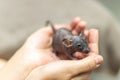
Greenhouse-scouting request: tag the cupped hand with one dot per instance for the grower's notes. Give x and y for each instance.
(72, 70)
(37, 50)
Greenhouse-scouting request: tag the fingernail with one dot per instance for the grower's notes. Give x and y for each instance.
(98, 59)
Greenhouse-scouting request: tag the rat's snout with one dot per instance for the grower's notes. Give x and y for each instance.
(86, 50)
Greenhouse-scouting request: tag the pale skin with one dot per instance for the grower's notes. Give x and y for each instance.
(36, 61)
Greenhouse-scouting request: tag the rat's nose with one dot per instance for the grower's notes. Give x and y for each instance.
(87, 50)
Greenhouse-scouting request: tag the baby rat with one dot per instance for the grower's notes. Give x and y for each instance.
(65, 42)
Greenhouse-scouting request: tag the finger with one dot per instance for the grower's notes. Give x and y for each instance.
(80, 27)
(86, 34)
(85, 65)
(93, 36)
(74, 22)
(93, 40)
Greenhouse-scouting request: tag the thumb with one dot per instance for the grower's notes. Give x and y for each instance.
(87, 64)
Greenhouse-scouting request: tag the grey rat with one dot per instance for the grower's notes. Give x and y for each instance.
(65, 42)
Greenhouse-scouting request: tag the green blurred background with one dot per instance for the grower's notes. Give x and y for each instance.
(113, 6)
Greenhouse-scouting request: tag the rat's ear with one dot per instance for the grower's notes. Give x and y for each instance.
(67, 42)
(82, 35)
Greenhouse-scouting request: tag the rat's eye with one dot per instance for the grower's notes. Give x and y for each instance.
(79, 46)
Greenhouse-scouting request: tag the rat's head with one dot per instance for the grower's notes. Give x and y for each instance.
(78, 43)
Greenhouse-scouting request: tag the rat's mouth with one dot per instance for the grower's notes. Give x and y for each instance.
(78, 55)
(86, 51)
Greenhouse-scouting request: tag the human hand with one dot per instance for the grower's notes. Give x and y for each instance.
(66, 69)
(37, 50)
(2, 63)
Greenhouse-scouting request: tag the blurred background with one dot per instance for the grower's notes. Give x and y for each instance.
(20, 18)
(113, 6)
